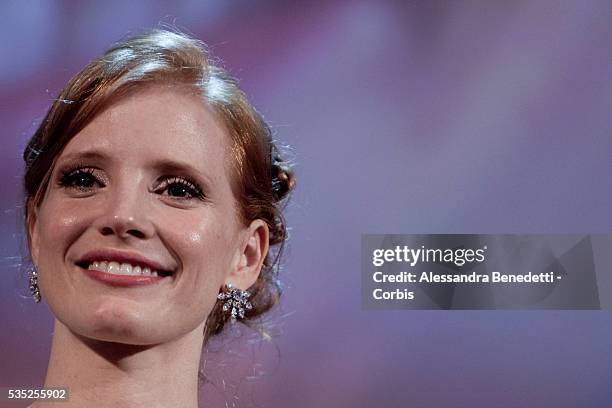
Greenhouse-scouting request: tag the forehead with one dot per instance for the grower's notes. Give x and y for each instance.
(158, 123)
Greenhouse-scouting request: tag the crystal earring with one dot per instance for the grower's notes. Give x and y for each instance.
(33, 280)
(235, 300)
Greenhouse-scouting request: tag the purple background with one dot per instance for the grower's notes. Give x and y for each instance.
(405, 117)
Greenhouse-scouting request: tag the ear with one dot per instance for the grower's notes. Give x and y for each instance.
(34, 236)
(252, 253)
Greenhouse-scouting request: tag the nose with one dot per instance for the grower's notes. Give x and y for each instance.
(125, 227)
(125, 215)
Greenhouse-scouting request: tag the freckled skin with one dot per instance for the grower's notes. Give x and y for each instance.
(201, 240)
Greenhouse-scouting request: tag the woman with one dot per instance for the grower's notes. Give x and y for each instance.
(153, 193)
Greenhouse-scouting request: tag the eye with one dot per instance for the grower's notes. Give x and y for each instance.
(181, 188)
(82, 179)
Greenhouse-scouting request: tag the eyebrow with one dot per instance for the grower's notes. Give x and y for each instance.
(163, 165)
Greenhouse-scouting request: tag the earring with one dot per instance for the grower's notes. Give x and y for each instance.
(236, 300)
(33, 280)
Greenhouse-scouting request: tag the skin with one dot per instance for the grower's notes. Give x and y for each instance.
(141, 346)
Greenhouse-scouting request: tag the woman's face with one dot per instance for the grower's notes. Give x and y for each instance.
(149, 177)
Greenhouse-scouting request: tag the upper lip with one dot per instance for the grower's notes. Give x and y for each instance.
(119, 256)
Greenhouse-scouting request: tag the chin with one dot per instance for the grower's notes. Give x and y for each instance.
(118, 319)
(118, 325)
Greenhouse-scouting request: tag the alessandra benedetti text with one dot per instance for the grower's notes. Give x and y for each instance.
(493, 277)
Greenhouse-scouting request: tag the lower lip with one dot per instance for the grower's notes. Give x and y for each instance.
(123, 280)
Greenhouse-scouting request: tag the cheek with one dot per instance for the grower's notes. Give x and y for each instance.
(202, 243)
(207, 247)
(59, 226)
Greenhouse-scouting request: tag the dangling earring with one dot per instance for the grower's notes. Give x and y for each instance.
(33, 275)
(236, 300)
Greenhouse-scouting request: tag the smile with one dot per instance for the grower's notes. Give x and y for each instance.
(123, 274)
(117, 268)
(121, 265)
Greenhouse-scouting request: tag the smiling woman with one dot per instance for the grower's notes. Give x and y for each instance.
(153, 194)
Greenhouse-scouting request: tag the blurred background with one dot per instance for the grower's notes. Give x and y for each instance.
(403, 117)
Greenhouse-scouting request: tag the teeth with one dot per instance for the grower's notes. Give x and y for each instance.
(115, 267)
(121, 269)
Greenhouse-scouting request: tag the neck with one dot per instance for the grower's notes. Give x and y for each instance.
(105, 374)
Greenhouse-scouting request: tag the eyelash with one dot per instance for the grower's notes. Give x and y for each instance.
(71, 175)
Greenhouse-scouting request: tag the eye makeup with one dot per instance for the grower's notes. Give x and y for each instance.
(182, 184)
(83, 178)
(80, 177)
